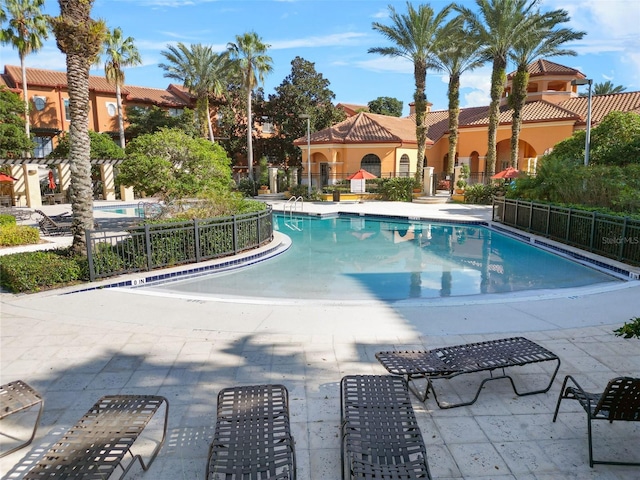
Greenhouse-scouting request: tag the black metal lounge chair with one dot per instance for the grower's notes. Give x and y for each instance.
(52, 226)
(449, 362)
(620, 401)
(18, 398)
(252, 438)
(380, 434)
(101, 440)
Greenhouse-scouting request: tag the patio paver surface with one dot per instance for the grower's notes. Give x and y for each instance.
(74, 348)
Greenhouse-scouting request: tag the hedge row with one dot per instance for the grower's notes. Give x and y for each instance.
(34, 271)
(12, 234)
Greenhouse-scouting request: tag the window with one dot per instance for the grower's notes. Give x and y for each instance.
(112, 109)
(67, 115)
(44, 146)
(404, 165)
(371, 163)
(267, 126)
(175, 112)
(39, 102)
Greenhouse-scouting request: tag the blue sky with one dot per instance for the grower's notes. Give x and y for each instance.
(336, 35)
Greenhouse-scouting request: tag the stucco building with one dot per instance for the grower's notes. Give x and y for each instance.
(49, 118)
(386, 146)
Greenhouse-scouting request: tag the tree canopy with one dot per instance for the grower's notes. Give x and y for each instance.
(303, 91)
(13, 139)
(612, 178)
(386, 106)
(102, 147)
(174, 165)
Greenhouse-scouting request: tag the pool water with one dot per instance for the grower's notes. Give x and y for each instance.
(357, 258)
(130, 211)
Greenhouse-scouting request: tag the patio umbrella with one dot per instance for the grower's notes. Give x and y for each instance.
(6, 178)
(52, 180)
(361, 174)
(508, 172)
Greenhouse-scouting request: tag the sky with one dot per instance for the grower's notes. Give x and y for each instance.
(336, 37)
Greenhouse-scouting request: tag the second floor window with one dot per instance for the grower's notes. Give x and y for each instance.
(67, 114)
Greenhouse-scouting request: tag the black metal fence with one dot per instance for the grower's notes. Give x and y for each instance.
(152, 246)
(607, 235)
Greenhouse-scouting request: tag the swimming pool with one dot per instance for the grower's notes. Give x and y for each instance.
(362, 257)
(128, 210)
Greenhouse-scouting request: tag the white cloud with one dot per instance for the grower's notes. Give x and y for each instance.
(479, 82)
(381, 14)
(332, 40)
(386, 64)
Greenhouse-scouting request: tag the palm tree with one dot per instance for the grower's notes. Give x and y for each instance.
(498, 24)
(541, 39)
(461, 54)
(605, 88)
(253, 63)
(26, 31)
(415, 36)
(80, 38)
(202, 71)
(119, 53)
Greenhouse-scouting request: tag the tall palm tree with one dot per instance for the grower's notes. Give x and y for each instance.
(80, 38)
(202, 71)
(460, 54)
(253, 63)
(26, 31)
(498, 24)
(119, 52)
(605, 88)
(416, 37)
(540, 39)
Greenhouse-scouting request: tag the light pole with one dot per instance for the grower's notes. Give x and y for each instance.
(305, 115)
(587, 142)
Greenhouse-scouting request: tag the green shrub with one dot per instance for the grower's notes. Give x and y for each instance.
(33, 271)
(248, 187)
(629, 329)
(303, 191)
(482, 194)
(12, 234)
(6, 219)
(396, 189)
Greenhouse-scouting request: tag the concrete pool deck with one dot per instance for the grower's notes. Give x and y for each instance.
(76, 347)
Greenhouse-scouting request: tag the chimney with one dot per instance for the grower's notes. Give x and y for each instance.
(412, 107)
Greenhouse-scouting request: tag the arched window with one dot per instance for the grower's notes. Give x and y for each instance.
(371, 163)
(404, 166)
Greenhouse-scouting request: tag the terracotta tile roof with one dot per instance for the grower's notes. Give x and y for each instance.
(352, 108)
(155, 96)
(574, 109)
(367, 128)
(545, 67)
(602, 105)
(52, 78)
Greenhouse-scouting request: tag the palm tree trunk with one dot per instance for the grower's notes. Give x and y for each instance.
(454, 112)
(120, 116)
(517, 101)
(498, 76)
(420, 75)
(27, 123)
(249, 135)
(79, 152)
(209, 125)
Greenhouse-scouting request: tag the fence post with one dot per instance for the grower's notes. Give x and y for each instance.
(196, 238)
(147, 240)
(593, 230)
(568, 227)
(235, 234)
(548, 219)
(87, 239)
(623, 239)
